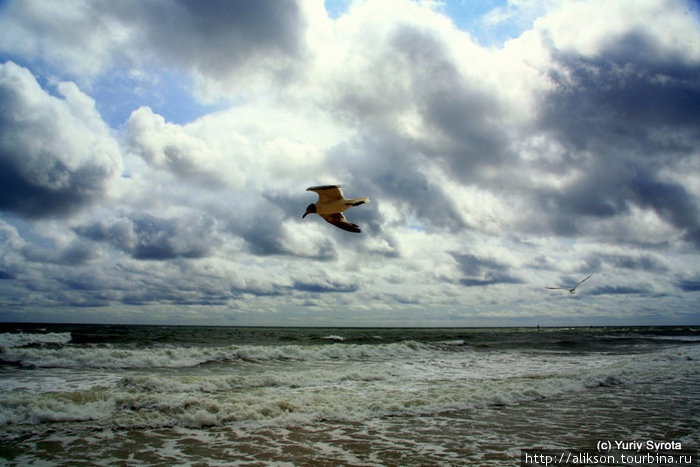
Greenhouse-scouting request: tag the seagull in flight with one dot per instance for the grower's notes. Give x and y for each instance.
(331, 204)
(571, 290)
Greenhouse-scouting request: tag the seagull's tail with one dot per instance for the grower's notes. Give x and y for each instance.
(357, 201)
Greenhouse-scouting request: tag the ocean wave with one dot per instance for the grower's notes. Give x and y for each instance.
(203, 384)
(334, 337)
(300, 391)
(19, 339)
(21, 408)
(181, 357)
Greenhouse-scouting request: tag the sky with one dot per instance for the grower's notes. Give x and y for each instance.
(154, 158)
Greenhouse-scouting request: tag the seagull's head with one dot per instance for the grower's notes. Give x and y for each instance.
(310, 209)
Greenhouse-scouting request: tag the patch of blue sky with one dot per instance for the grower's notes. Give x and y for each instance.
(414, 224)
(336, 8)
(167, 93)
(118, 92)
(26, 231)
(489, 22)
(41, 70)
(4, 5)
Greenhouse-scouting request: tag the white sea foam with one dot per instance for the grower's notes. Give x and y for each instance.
(23, 408)
(334, 337)
(57, 380)
(455, 342)
(301, 391)
(21, 340)
(183, 357)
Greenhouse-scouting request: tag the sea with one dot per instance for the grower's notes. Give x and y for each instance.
(182, 395)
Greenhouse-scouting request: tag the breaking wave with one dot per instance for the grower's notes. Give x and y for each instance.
(12, 340)
(300, 384)
(107, 356)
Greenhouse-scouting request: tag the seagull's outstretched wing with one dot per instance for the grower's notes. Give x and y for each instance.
(327, 193)
(571, 289)
(581, 282)
(339, 220)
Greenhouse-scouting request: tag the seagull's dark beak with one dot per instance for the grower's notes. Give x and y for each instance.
(305, 214)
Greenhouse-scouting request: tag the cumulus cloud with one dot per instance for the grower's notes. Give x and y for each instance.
(492, 171)
(625, 126)
(56, 154)
(175, 149)
(480, 272)
(152, 238)
(214, 39)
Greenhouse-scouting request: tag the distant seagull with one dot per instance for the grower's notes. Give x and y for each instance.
(331, 204)
(572, 289)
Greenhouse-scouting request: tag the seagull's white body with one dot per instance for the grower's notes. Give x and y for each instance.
(571, 290)
(331, 204)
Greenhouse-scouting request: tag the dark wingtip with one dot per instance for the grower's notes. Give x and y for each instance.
(347, 227)
(322, 187)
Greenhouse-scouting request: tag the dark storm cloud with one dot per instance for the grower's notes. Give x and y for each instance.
(490, 278)
(263, 230)
(57, 191)
(55, 156)
(76, 253)
(7, 275)
(672, 202)
(642, 262)
(608, 188)
(265, 237)
(620, 290)
(93, 288)
(214, 37)
(385, 167)
(461, 133)
(290, 205)
(455, 110)
(172, 296)
(482, 272)
(263, 227)
(623, 116)
(452, 106)
(211, 37)
(689, 285)
(179, 282)
(622, 100)
(151, 238)
(174, 282)
(324, 287)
